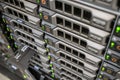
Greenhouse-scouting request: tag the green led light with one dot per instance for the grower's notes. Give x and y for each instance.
(112, 44)
(103, 69)
(100, 76)
(48, 50)
(8, 29)
(40, 15)
(53, 75)
(38, 1)
(8, 47)
(117, 29)
(43, 28)
(11, 37)
(51, 65)
(107, 57)
(46, 41)
(15, 46)
(4, 20)
(49, 57)
(24, 76)
(52, 71)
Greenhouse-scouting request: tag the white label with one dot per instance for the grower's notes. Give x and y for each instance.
(36, 67)
(20, 21)
(93, 50)
(24, 48)
(96, 37)
(14, 67)
(100, 22)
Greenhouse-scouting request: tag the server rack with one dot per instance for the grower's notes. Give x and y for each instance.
(72, 39)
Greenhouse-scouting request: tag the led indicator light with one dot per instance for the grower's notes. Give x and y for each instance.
(51, 65)
(38, 1)
(117, 29)
(43, 28)
(4, 20)
(49, 57)
(47, 50)
(112, 44)
(46, 41)
(100, 76)
(40, 15)
(11, 37)
(15, 46)
(103, 68)
(8, 47)
(53, 76)
(8, 29)
(107, 57)
(24, 76)
(52, 71)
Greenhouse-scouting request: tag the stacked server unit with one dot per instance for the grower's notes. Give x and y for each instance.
(21, 26)
(72, 39)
